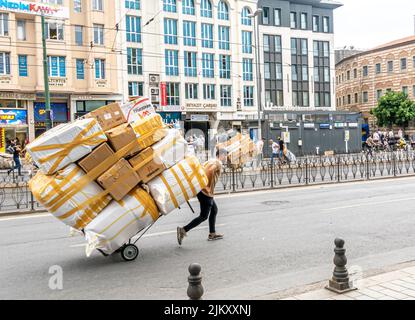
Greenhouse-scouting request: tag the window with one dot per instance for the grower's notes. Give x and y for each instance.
(348, 75)
(316, 23)
(316, 74)
(189, 33)
(209, 91)
(390, 66)
(356, 98)
(54, 30)
(4, 63)
(22, 66)
(293, 20)
(304, 21)
(98, 34)
(223, 11)
(248, 74)
(134, 61)
(305, 72)
(277, 17)
(206, 9)
(267, 71)
(172, 62)
(277, 40)
(132, 4)
(80, 69)
(365, 97)
(21, 30)
(57, 66)
(405, 90)
(189, 7)
(190, 67)
(265, 15)
(226, 96)
(224, 66)
(77, 6)
(403, 64)
(326, 24)
(245, 17)
(97, 5)
(378, 94)
(326, 74)
(79, 39)
(326, 49)
(278, 71)
(248, 96)
(246, 42)
(355, 73)
(378, 68)
(413, 90)
(170, 31)
(224, 38)
(266, 43)
(293, 46)
(413, 62)
(173, 94)
(365, 71)
(208, 65)
(135, 89)
(169, 5)
(304, 47)
(4, 24)
(294, 72)
(99, 69)
(191, 91)
(133, 28)
(207, 35)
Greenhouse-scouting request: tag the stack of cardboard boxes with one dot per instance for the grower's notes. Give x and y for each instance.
(240, 149)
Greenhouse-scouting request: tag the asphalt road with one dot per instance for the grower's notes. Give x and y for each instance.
(274, 240)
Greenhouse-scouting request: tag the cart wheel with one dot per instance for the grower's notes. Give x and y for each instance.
(129, 252)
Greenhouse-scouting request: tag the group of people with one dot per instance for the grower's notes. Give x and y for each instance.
(279, 150)
(386, 140)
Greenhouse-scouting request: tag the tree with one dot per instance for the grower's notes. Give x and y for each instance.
(394, 108)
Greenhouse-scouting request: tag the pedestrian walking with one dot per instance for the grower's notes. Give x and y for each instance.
(275, 150)
(260, 150)
(282, 150)
(370, 143)
(15, 149)
(208, 207)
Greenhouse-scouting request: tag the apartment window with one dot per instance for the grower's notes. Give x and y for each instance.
(209, 91)
(4, 24)
(133, 28)
(189, 33)
(206, 9)
(57, 66)
(293, 20)
(267, 71)
(224, 35)
(22, 66)
(326, 49)
(365, 71)
(348, 75)
(265, 15)
(355, 73)
(390, 66)
(21, 30)
(278, 71)
(413, 62)
(316, 23)
(225, 96)
(208, 65)
(245, 17)
(278, 47)
(223, 11)
(4, 63)
(326, 24)
(293, 46)
(248, 96)
(135, 89)
(349, 99)
(189, 7)
(97, 5)
(378, 94)
(413, 90)
(80, 69)
(405, 90)
(365, 97)
(248, 74)
(403, 64)
(79, 39)
(190, 67)
(54, 31)
(169, 5)
(266, 43)
(304, 21)
(246, 42)
(294, 72)
(132, 4)
(134, 61)
(316, 74)
(173, 94)
(304, 47)
(77, 6)
(191, 91)
(172, 62)
(378, 68)
(356, 98)
(326, 74)
(99, 69)
(98, 34)
(224, 66)
(305, 72)
(170, 31)
(277, 17)
(207, 35)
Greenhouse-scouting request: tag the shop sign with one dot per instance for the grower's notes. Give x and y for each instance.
(2, 140)
(17, 96)
(339, 125)
(34, 8)
(201, 106)
(13, 117)
(170, 109)
(57, 82)
(309, 125)
(325, 126)
(199, 118)
(5, 79)
(353, 125)
(59, 112)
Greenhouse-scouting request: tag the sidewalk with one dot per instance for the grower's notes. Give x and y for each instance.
(395, 285)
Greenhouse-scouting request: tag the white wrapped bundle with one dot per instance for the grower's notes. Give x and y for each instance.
(120, 221)
(178, 184)
(137, 109)
(70, 195)
(66, 144)
(171, 149)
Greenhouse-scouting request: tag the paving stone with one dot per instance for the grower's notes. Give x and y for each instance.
(394, 294)
(353, 294)
(394, 287)
(410, 293)
(371, 293)
(316, 295)
(395, 275)
(404, 284)
(342, 297)
(410, 270)
(376, 288)
(363, 297)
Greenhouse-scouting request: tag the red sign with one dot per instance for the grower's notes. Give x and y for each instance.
(163, 93)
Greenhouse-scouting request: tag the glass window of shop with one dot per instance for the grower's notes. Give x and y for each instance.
(84, 107)
(13, 123)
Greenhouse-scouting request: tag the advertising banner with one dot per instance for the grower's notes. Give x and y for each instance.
(2, 140)
(35, 8)
(13, 116)
(163, 93)
(59, 112)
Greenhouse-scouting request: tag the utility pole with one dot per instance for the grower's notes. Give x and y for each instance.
(259, 80)
(48, 121)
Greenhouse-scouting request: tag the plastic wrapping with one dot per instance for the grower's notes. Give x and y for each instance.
(149, 130)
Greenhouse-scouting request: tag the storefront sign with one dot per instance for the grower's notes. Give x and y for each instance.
(171, 109)
(309, 125)
(353, 125)
(325, 126)
(2, 140)
(339, 125)
(199, 117)
(34, 8)
(201, 106)
(59, 112)
(13, 117)
(17, 96)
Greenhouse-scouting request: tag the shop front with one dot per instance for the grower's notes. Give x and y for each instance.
(13, 125)
(59, 114)
(83, 104)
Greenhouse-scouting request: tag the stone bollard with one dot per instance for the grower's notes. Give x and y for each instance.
(195, 289)
(340, 283)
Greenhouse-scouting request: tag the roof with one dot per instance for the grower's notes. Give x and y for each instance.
(327, 4)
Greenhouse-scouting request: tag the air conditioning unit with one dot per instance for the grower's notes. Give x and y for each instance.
(154, 91)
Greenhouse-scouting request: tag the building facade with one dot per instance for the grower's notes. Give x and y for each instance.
(363, 78)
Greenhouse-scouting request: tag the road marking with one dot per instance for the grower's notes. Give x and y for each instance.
(368, 204)
(150, 235)
(26, 216)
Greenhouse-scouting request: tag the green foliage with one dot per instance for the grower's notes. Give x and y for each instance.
(394, 108)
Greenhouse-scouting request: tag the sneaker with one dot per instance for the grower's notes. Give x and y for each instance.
(215, 236)
(180, 235)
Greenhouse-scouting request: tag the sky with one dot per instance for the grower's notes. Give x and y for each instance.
(365, 24)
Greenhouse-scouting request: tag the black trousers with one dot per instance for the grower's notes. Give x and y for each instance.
(208, 209)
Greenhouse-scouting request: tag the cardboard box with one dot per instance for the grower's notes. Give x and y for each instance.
(120, 179)
(109, 116)
(96, 157)
(137, 109)
(149, 130)
(122, 136)
(147, 165)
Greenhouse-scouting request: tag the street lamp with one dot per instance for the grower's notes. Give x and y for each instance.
(259, 84)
